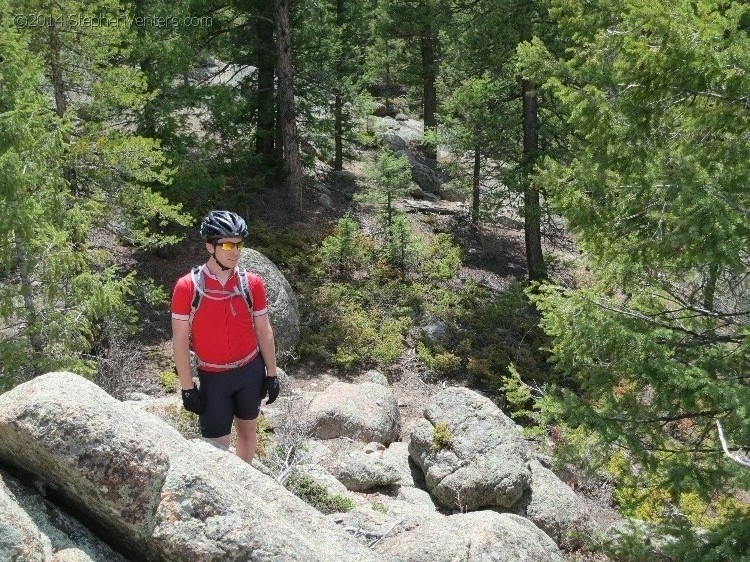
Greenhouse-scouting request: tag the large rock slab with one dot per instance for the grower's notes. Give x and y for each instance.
(283, 309)
(555, 508)
(151, 492)
(363, 412)
(482, 536)
(385, 517)
(33, 529)
(360, 469)
(486, 462)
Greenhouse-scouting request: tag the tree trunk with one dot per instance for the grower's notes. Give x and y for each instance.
(338, 135)
(709, 287)
(532, 209)
(290, 137)
(32, 317)
(429, 92)
(58, 89)
(338, 110)
(388, 103)
(58, 82)
(265, 109)
(475, 186)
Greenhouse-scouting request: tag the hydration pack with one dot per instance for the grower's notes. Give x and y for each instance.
(199, 291)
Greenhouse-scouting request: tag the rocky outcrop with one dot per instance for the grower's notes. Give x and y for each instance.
(361, 469)
(385, 517)
(482, 461)
(282, 302)
(364, 412)
(149, 491)
(397, 136)
(33, 529)
(482, 536)
(555, 508)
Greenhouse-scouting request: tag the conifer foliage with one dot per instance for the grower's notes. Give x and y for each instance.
(654, 186)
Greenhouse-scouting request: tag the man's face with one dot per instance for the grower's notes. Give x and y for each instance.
(227, 250)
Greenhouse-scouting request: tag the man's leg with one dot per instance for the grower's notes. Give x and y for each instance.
(247, 438)
(223, 441)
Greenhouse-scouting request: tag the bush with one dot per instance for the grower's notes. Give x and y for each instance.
(441, 437)
(169, 380)
(318, 496)
(442, 258)
(264, 437)
(345, 250)
(439, 362)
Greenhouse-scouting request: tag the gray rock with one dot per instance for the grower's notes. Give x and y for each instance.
(415, 496)
(485, 463)
(555, 508)
(282, 302)
(164, 497)
(321, 476)
(33, 529)
(437, 332)
(401, 117)
(424, 176)
(395, 142)
(325, 201)
(396, 456)
(375, 376)
(416, 192)
(363, 412)
(482, 536)
(362, 469)
(385, 516)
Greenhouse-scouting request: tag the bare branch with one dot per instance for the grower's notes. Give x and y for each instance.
(739, 459)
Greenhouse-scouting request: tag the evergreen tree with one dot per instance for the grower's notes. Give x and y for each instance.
(84, 45)
(51, 299)
(494, 114)
(655, 189)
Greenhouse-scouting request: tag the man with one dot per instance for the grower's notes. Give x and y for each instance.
(230, 334)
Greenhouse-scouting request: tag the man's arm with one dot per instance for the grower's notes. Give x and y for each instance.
(264, 334)
(181, 351)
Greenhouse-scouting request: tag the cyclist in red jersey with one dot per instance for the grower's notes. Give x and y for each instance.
(234, 345)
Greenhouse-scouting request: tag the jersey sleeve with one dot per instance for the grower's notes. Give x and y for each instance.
(181, 297)
(258, 292)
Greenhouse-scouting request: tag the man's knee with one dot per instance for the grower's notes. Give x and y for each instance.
(246, 428)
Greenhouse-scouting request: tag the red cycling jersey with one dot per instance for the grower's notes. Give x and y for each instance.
(222, 332)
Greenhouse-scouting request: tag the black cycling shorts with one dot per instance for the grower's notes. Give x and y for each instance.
(230, 394)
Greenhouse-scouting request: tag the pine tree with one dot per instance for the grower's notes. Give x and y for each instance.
(654, 186)
(51, 299)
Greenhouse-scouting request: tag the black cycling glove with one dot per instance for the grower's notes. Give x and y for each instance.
(191, 400)
(271, 388)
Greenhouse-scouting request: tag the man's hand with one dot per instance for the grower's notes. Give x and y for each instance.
(191, 400)
(271, 389)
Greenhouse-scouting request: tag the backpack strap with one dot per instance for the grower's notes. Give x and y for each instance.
(199, 285)
(245, 288)
(199, 289)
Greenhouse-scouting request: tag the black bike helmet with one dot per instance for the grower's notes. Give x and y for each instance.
(223, 224)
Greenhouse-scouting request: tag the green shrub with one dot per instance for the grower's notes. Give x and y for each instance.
(264, 428)
(349, 328)
(318, 496)
(441, 259)
(439, 362)
(345, 250)
(379, 507)
(169, 380)
(441, 437)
